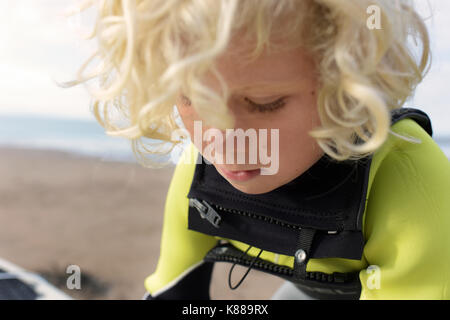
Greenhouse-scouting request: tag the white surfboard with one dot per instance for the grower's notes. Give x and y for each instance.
(19, 284)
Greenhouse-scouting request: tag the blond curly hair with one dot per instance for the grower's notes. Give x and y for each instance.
(151, 50)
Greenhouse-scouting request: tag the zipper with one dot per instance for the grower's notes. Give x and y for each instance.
(207, 212)
(259, 264)
(284, 271)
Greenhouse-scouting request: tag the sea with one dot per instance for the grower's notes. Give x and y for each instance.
(83, 137)
(76, 136)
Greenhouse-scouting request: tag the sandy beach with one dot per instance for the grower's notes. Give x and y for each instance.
(59, 209)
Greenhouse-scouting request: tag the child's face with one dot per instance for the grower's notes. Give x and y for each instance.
(289, 74)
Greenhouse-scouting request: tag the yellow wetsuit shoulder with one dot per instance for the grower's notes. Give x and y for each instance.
(407, 219)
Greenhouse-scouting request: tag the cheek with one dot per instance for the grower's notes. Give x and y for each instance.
(301, 118)
(298, 150)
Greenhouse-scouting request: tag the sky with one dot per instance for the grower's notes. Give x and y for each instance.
(40, 46)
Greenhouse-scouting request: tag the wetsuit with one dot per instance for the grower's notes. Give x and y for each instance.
(378, 228)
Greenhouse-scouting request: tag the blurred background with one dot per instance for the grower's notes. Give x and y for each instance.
(70, 194)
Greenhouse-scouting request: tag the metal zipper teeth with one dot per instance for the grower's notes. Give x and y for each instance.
(268, 219)
(259, 264)
(260, 217)
(281, 270)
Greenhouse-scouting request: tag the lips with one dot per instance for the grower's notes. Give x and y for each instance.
(241, 175)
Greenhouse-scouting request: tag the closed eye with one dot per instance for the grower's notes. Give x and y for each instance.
(254, 107)
(268, 107)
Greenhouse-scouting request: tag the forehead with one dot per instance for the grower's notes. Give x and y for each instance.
(271, 71)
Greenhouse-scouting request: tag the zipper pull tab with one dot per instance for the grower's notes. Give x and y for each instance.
(206, 211)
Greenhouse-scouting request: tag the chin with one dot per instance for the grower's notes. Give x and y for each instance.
(253, 188)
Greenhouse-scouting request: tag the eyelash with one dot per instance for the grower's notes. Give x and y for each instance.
(268, 107)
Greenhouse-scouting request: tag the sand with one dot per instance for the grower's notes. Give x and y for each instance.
(58, 209)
